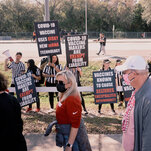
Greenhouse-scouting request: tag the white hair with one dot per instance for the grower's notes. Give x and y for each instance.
(73, 90)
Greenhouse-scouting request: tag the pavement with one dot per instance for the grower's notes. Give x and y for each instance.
(115, 48)
(99, 142)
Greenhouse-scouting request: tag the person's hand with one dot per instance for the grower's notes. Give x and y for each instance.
(52, 75)
(66, 68)
(52, 65)
(78, 69)
(68, 149)
(33, 75)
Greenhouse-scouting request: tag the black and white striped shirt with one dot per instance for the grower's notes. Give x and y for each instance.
(17, 69)
(51, 71)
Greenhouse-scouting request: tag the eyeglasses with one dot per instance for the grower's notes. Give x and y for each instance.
(59, 81)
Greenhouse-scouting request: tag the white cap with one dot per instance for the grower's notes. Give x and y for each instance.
(133, 62)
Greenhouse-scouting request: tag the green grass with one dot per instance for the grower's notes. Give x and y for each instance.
(95, 123)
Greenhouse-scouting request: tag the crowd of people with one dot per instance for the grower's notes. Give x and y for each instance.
(46, 75)
(136, 121)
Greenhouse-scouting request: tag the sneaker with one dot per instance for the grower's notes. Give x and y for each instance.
(113, 113)
(85, 112)
(28, 109)
(51, 110)
(121, 104)
(37, 110)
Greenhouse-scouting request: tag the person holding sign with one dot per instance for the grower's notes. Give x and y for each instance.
(68, 114)
(49, 72)
(136, 121)
(106, 66)
(11, 127)
(118, 77)
(17, 67)
(36, 75)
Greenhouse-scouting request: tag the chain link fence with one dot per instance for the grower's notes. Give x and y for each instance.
(92, 35)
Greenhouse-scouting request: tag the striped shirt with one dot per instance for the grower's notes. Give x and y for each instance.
(51, 71)
(17, 69)
(37, 74)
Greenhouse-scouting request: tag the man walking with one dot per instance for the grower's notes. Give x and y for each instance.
(102, 40)
(17, 67)
(136, 123)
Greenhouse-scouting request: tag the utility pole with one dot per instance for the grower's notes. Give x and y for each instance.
(47, 13)
(86, 16)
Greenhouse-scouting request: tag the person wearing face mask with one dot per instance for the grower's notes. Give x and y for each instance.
(68, 114)
(49, 72)
(106, 66)
(136, 121)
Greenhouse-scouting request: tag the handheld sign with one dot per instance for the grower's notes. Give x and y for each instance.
(48, 39)
(76, 51)
(25, 89)
(127, 89)
(104, 87)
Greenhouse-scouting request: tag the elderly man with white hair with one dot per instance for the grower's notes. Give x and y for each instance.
(136, 123)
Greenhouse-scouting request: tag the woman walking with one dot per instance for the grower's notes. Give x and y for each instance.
(68, 114)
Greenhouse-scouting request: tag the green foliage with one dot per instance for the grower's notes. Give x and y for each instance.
(147, 10)
(20, 15)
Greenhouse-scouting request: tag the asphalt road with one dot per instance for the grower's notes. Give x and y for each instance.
(114, 49)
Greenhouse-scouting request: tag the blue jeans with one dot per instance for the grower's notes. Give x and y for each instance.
(75, 145)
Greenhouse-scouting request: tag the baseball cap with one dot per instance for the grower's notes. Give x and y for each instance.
(106, 61)
(133, 62)
(118, 60)
(30, 61)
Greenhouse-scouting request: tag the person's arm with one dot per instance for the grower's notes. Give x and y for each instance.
(80, 71)
(72, 136)
(47, 75)
(54, 66)
(6, 65)
(74, 114)
(36, 77)
(146, 127)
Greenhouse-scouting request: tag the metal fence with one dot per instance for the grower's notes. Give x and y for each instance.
(121, 35)
(109, 35)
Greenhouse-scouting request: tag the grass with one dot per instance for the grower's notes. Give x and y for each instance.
(95, 123)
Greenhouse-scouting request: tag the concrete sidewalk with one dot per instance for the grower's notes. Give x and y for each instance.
(37, 142)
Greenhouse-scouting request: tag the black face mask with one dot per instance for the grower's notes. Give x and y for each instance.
(61, 87)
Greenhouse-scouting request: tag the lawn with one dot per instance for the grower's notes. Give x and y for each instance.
(107, 123)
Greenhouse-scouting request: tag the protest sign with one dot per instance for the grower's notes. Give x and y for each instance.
(25, 89)
(127, 89)
(48, 39)
(76, 51)
(104, 87)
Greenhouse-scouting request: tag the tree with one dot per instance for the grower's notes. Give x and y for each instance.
(147, 10)
(18, 16)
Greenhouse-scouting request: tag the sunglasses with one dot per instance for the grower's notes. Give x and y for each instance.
(59, 81)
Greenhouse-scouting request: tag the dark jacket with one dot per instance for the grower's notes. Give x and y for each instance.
(81, 139)
(142, 118)
(11, 124)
